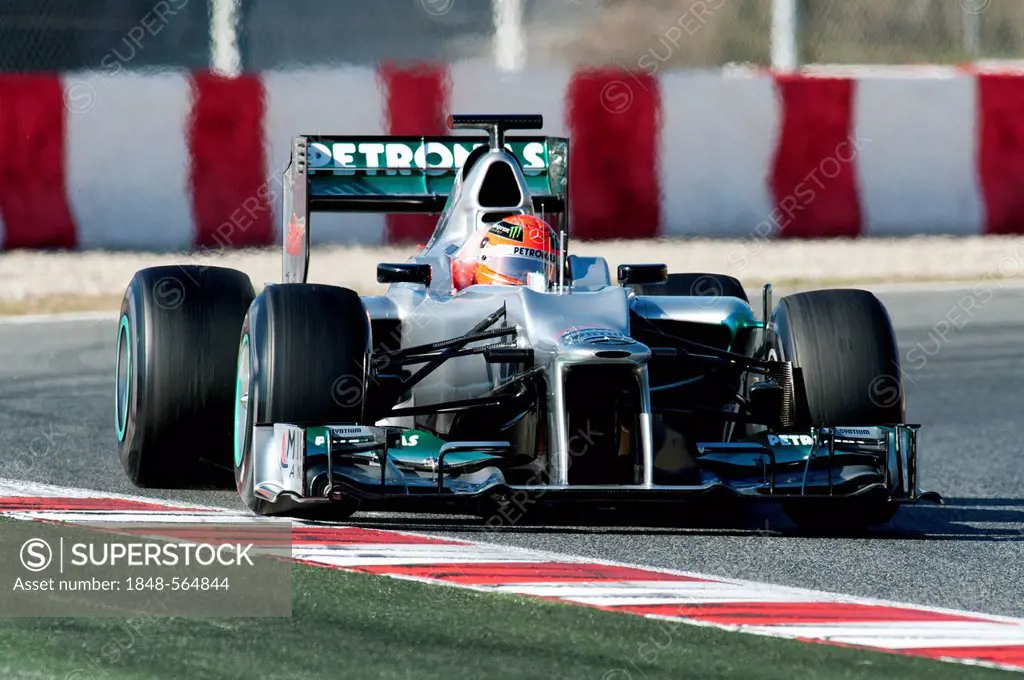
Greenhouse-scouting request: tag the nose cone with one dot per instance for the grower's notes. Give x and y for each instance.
(602, 344)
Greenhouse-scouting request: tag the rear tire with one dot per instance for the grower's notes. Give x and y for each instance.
(176, 345)
(695, 284)
(302, 359)
(846, 373)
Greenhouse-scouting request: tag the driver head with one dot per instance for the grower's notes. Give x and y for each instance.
(514, 248)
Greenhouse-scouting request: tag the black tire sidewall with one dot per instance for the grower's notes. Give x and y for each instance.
(307, 337)
(861, 387)
(182, 323)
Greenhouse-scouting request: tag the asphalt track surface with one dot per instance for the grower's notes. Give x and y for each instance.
(56, 386)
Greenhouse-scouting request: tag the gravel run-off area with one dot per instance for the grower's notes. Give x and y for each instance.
(31, 280)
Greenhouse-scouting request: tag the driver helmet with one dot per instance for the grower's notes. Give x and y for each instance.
(513, 248)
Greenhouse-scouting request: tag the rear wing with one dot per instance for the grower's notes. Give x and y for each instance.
(411, 174)
(406, 175)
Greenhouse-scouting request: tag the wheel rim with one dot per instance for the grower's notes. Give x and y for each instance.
(123, 385)
(241, 399)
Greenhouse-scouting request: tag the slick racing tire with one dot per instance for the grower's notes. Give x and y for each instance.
(301, 359)
(176, 346)
(846, 373)
(690, 284)
(845, 358)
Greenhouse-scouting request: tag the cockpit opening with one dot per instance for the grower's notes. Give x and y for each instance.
(500, 187)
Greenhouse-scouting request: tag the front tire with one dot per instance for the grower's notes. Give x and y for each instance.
(845, 358)
(302, 360)
(176, 343)
(846, 373)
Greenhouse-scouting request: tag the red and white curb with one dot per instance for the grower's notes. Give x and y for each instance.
(730, 604)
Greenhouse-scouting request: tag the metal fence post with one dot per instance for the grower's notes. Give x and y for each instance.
(225, 56)
(509, 47)
(971, 23)
(785, 35)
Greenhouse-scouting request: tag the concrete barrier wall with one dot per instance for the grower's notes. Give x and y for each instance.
(192, 160)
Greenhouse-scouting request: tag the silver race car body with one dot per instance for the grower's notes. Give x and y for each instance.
(573, 387)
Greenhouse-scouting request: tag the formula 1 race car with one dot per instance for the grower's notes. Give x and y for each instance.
(571, 388)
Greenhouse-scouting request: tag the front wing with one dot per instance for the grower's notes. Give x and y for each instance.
(297, 466)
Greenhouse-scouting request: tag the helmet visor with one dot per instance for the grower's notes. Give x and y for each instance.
(517, 268)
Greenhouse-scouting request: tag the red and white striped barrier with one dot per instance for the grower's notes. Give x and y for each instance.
(179, 160)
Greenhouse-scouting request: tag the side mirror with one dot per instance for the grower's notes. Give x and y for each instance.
(403, 273)
(642, 273)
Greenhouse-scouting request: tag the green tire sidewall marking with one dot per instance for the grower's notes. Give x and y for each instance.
(122, 398)
(240, 426)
